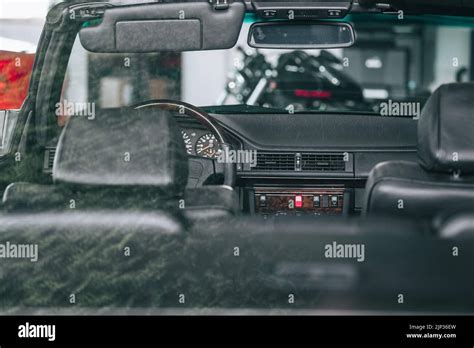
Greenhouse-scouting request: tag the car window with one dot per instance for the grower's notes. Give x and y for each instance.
(21, 23)
(20, 29)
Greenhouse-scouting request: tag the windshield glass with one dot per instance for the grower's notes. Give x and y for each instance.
(391, 70)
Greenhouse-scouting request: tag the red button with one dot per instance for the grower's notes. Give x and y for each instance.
(299, 201)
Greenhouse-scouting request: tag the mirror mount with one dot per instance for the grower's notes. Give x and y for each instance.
(302, 9)
(301, 35)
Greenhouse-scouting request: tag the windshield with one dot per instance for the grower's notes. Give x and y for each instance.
(391, 70)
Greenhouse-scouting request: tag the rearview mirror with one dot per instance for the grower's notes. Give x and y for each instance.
(297, 35)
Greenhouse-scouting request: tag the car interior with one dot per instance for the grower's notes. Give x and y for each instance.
(339, 123)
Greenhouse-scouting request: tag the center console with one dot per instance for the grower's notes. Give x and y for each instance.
(324, 200)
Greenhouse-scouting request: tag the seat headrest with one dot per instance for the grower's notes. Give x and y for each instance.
(446, 130)
(123, 147)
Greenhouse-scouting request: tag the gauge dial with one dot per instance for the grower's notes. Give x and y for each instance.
(187, 142)
(208, 146)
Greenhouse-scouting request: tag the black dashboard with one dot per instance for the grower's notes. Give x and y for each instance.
(320, 162)
(314, 164)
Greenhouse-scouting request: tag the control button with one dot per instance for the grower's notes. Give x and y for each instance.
(263, 201)
(221, 5)
(298, 162)
(334, 201)
(334, 13)
(317, 201)
(325, 201)
(298, 201)
(269, 13)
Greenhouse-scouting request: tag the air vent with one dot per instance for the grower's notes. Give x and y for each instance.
(49, 154)
(275, 162)
(304, 162)
(323, 162)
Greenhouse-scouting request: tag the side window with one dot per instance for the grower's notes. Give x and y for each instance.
(21, 23)
(15, 73)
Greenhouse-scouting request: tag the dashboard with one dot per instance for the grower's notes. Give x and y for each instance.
(306, 164)
(314, 164)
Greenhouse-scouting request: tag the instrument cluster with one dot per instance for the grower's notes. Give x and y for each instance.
(201, 143)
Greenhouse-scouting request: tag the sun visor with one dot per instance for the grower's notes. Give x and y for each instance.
(188, 26)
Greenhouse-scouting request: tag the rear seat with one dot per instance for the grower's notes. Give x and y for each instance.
(142, 260)
(456, 226)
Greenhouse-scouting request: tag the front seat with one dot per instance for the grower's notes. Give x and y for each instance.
(122, 159)
(443, 179)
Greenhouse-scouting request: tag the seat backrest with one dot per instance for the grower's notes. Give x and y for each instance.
(123, 148)
(137, 262)
(123, 158)
(457, 226)
(443, 178)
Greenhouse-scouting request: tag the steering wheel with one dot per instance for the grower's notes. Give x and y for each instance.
(201, 165)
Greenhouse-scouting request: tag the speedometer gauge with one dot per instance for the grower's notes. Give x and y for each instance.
(208, 146)
(187, 142)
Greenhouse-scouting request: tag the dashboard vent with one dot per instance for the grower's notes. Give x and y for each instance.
(323, 162)
(300, 162)
(275, 162)
(49, 154)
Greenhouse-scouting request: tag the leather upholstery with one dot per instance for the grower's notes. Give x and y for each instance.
(158, 223)
(23, 195)
(204, 203)
(460, 226)
(443, 180)
(84, 253)
(28, 197)
(123, 147)
(210, 202)
(446, 130)
(406, 189)
(91, 173)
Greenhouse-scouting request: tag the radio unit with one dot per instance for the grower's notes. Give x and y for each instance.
(302, 10)
(299, 202)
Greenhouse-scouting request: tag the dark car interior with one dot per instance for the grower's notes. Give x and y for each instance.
(147, 176)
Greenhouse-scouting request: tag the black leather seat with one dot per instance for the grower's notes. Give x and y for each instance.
(457, 226)
(123, 159)
(443, 179)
